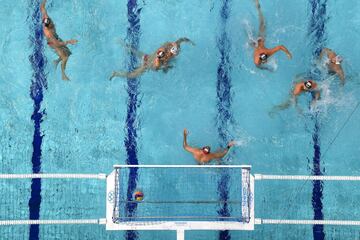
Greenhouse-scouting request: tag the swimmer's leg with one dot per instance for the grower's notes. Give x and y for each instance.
(56, 62)
(341, 75)
(134, 74)
(281, 107)
(132, 50)
(64, 54)
(137, 53)
(117, 74)
(184, 39)
(261, 21)
(63, 66)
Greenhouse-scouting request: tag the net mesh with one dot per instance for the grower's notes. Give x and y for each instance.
(182, 194)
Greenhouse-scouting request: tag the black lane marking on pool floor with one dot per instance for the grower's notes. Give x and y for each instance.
(133, 35)
(317, 35)
(38, 84)
(317, 193)
(224, 115)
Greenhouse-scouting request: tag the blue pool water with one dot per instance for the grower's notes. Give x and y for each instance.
(88, 124)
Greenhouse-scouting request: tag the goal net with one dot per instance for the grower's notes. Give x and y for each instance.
(147, 195)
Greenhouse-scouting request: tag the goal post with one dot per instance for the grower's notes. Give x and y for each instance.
(188, 198)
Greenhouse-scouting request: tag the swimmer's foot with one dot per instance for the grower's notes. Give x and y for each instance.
(114, 74)
(272, 113)
(65, 78)
(56, 63)
(231, 143)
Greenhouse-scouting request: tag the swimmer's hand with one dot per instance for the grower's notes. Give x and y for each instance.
(72, 41)
(288, 54)
(184, 39)
(230, 144)
(112, 76)
(192, 43)
(185, 132)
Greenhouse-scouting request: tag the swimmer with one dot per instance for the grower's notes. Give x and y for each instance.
(299, 88)
(54, 41)
(159, 60)
(203, 155)
(333, 63)
(172, 49)
(261, 53)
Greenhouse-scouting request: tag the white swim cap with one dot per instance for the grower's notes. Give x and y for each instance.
(263, 57)
(160, 54)
(338, 59)
(308, 84)
(174, 50)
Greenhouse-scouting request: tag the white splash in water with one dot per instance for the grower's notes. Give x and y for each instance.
(253, 42)
(247, 69)
(250, 33)
(330, 98)
(273, 64)
(241, 142)
(244, 140)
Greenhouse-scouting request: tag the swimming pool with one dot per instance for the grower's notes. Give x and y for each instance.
(88, 124)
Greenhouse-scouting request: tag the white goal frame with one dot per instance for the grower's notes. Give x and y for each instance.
(181, 226)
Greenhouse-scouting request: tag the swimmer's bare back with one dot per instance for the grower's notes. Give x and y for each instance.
(159, 60)
(54, 41)
(298, 89)
(261, 50)
(205, 157)
(171, 50)
(333, 64)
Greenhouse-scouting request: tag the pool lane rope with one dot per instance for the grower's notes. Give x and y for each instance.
(258, 221)
(53, 176)
(102, 176)
(307, 222)
(312, 177)
(306, 177)
(52, 222)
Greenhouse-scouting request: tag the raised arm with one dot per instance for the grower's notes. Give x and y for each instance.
(185, 145)
(218, 155)
(58, 43)
(43, 9)
(280, 48)
(222, 153)
(341, 74)
(184, 39)
(324, 51)
(316, 95)
(261, 21)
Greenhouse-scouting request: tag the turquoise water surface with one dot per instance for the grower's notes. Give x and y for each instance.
(214, 90)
